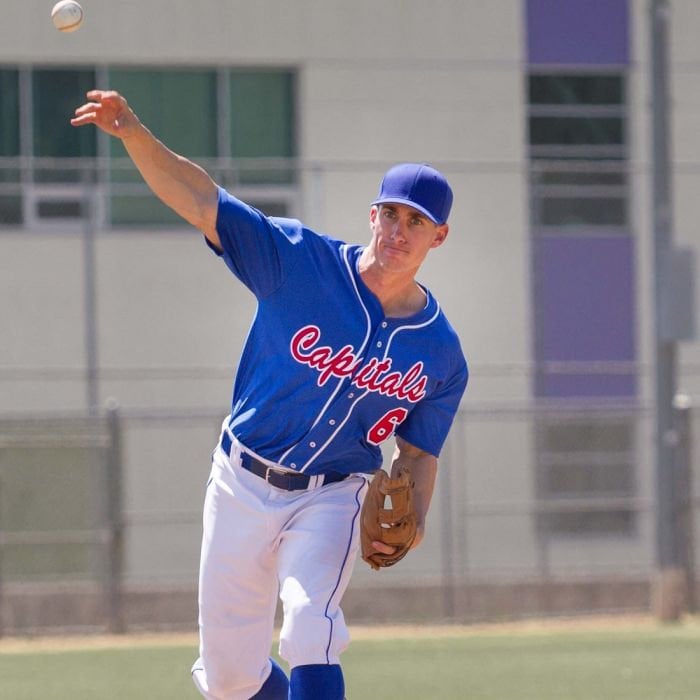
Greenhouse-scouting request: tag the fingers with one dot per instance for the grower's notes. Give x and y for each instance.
(102, 95)
(383, 548)
(87, 107)
(86, 114)
(98, 99)
(88, 118)
(108, 110)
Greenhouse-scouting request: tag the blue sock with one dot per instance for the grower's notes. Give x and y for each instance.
(316, 682)
(276, 687)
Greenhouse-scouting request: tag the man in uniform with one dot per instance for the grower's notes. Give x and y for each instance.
(345, 351)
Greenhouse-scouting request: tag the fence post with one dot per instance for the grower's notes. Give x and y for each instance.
(115, 524)
(684, 518)
(447, 541)
(2, 581)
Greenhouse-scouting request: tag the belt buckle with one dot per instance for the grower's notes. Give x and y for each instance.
(276, 470)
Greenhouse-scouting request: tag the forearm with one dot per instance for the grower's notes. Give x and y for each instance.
(178, 182)
(423, 467)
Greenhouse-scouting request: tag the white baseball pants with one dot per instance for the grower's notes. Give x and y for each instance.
(260, 542)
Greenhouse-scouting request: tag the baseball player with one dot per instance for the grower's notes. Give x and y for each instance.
(345, 351)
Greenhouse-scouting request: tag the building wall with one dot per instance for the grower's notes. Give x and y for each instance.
(429, 84)
(378, 83)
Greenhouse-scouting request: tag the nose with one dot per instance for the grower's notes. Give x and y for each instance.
(397, 231)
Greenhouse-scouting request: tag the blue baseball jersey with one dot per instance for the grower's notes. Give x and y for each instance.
(325, 377)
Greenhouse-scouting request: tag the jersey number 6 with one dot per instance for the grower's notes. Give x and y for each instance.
(386, 425)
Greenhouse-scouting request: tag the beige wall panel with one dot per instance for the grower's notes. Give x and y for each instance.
(685, 117)
(41, 300)
(683, 26)
(167, 300)
(266, 31)
(40, 391)
(427, 113)
(43, 316)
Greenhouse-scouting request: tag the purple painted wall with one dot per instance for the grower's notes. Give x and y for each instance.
(585, 310)
(578, 32)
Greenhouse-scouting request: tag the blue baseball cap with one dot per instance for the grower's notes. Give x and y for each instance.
(419, 186)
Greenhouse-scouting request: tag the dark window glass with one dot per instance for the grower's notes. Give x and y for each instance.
(56, 93)
(574, 131)
(180, 108)
(262, 125)
(9, 112)
(576, 90)
(262, 114)
(10, 210)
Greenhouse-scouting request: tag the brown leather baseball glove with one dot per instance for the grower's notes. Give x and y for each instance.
(395, 525)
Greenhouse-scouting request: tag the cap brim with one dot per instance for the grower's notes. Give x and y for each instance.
(409, 203)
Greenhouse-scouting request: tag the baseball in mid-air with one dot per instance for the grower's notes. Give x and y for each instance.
(67, 15)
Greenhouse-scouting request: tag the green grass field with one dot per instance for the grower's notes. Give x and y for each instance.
(613, 661)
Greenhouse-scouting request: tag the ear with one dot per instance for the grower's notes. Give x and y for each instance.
(440, 235)
(373, 213)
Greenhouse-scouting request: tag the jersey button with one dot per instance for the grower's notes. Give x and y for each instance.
(331, 421)
(312, 444)
(293, 465)
(351, 395)
(384, 324)
(379, 344)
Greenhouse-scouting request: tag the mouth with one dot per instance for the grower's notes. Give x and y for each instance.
(393, 250)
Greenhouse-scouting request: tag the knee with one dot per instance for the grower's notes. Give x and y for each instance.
(222, 684)
(223, 677)
(310, 635)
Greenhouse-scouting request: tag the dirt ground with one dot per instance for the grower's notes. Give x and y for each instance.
(20, 645)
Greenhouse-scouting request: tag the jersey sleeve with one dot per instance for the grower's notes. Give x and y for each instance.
(429, 423)
(258, 249)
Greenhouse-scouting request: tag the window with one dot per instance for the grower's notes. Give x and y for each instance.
(584, 298)
(54, 93)
(578, 149)
(180, 108)
(262, 124)
(238, 124)
(10, 176)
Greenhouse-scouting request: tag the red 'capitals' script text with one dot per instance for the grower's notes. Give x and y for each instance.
(375, 376)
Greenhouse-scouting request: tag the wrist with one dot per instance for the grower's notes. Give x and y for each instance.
(132, 130)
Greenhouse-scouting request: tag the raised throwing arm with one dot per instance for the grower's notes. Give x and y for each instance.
(179, 183)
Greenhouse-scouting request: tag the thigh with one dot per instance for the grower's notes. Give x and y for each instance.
(237, 586)
(238, 559)
(317, 553)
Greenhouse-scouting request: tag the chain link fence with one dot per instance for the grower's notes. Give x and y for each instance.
(539, 510)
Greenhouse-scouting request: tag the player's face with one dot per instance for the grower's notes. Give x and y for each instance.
(402, 236)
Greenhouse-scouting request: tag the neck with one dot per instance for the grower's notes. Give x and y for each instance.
(398, 292)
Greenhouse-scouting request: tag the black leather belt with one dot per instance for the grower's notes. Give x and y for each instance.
(288, 481)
